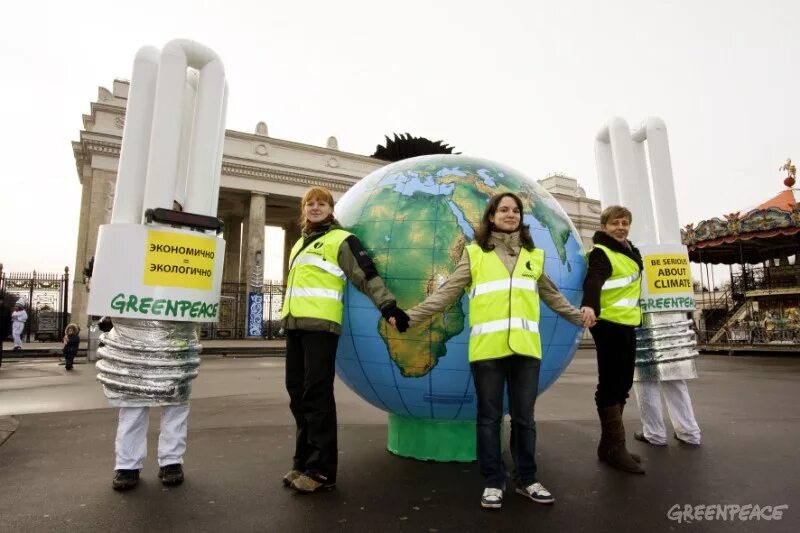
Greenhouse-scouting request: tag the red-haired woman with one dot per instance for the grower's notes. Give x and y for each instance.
(319, 265)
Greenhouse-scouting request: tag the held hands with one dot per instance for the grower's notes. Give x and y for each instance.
(588, 317)
(396, 317)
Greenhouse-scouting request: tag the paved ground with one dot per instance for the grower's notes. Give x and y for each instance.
(55, 470)
(210, 347)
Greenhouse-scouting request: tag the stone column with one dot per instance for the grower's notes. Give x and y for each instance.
(79, 288)
(255, 241)
(97, 200)
(254, 273)
(291, 234)
(233, 236)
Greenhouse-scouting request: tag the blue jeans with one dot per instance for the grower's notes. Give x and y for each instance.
(521, 374)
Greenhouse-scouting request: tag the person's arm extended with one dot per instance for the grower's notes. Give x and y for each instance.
(359, 268)
(556, 301)
(444, 296)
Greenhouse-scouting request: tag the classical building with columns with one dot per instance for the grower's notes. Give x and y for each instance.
(263, 179)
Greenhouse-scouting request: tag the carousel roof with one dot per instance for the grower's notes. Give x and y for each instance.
(768, 231)
(784, 200)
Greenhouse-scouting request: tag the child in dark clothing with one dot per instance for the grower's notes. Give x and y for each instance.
(71, 341)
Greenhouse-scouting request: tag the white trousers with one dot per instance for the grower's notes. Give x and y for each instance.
(679, 407)
(131, 443)
(16, 332)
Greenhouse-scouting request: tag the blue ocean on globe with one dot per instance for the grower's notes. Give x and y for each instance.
(414, 218)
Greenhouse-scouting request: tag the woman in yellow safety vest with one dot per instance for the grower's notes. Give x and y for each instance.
(611, 294)
(503, 274)
(319, 265)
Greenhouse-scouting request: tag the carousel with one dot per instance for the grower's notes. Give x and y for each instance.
(758, 309)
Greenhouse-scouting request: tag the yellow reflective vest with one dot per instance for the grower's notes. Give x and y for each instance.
(503, 309)
(619, 296)
(315, 288)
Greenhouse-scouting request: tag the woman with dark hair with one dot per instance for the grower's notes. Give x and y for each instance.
(319, 265)
(503, 273)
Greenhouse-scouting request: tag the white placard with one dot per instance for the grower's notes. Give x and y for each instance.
(666, 279)
(156, 272)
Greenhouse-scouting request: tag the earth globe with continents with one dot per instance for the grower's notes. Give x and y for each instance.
(414, 218)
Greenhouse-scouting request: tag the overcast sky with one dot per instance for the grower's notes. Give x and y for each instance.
(525, 83)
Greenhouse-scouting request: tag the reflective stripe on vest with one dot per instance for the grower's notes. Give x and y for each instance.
(619, 296)
(308, 259)
(315, 285)
(503, 325)
(503, 308)
(320, 293)
(621, 282)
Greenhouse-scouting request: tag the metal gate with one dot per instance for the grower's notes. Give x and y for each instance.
(46, 298)
(233, 312)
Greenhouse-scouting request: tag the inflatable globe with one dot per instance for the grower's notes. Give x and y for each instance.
(414, 218)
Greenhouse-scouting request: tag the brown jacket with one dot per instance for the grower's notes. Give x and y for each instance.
(358, 267)
(507, 248)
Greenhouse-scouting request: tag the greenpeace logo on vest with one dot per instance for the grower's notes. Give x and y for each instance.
(318, 244)
(529, 273)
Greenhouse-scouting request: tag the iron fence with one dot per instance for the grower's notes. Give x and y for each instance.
(750, 335)
(46, 298)
(760, 278)
(233, 312)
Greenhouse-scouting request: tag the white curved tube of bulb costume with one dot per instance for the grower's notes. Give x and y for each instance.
(666, 345)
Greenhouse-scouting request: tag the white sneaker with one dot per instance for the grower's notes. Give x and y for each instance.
(537, 493)
(492, 498)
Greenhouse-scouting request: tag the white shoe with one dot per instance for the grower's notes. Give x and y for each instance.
(492, 498)
(537, 493)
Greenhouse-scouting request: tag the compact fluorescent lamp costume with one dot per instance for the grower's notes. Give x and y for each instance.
(666, 346)
(158, 271)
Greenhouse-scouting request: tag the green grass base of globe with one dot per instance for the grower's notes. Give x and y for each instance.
(431, 440)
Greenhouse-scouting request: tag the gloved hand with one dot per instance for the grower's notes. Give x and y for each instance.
(400, 316)
(105, 324)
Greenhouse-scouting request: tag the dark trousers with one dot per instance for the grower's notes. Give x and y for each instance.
(616, 352)
(521, 374)
(69, 359)
(310, 369)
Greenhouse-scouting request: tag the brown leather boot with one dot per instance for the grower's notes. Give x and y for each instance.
(612, 449)
(605, 445)
(636, 457)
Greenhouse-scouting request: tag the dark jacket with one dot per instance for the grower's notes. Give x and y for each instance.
(359, 269)
(5, 320)
(600, 268)
(71, 346)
